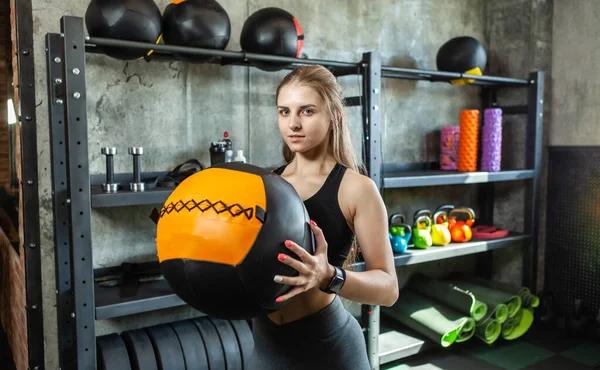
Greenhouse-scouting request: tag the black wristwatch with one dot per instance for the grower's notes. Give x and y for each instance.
(336, 284)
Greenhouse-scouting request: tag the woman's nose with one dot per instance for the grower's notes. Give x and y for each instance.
(294, 122)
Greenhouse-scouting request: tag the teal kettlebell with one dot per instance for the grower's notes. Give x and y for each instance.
(422, 229)
(400, 233)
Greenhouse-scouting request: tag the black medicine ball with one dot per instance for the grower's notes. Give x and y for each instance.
(462, 55)
(196, 23)
(131, 20)
(272, 31)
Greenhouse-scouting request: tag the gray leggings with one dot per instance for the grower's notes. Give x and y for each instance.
(329, 339)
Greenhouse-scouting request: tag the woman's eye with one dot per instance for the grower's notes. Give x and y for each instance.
(308, 111)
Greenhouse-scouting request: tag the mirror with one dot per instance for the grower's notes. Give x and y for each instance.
(9, 182)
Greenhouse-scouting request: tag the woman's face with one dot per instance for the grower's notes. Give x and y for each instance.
(303, 120)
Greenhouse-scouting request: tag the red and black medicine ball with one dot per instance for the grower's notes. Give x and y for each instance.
(196, 23)
(218, 236)
(272, 31)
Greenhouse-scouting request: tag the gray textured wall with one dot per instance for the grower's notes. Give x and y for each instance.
(519, 33)
(174, 110)
(575, 62)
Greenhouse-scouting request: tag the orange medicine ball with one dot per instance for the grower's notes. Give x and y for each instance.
(219, 234)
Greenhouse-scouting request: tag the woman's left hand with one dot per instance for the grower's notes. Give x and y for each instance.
(314, 270)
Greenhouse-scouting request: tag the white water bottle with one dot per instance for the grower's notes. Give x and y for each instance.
(240, 156)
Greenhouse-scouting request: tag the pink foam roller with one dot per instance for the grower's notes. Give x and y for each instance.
(491, 141)
(449, 148)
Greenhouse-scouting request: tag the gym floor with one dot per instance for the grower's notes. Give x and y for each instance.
(539, 349)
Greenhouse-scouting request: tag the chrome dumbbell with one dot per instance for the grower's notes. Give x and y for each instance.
(110, 186)
(136, 184)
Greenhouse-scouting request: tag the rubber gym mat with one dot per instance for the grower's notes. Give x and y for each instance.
(166, 347)
(515, 355)
(433, 319)
(587, 353)
(557, 362)
(458, 299)
(192, 344)
(440, 359)
(139, 347)
(111, 353)
(553, 340)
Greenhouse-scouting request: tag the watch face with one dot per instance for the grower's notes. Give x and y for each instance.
(338, 280)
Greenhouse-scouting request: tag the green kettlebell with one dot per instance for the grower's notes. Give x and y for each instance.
(422, 229)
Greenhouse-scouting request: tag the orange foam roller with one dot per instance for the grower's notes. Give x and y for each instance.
(468, 140)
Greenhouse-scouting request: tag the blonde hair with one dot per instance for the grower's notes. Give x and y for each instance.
(325, 84)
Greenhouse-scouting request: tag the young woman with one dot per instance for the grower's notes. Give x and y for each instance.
(314, 330)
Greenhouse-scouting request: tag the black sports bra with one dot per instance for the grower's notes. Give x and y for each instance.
(323, 208)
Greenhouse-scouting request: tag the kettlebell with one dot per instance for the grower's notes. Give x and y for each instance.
(400, 233)
(440, 232)
(446, 208)
(422, 229)
(460, 229)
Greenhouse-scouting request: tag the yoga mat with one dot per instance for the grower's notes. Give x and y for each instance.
(460, 300)
(449, 148)
(468, 140)
(467, 331)
(438, 322)
(488, 330)
(487, 295)
(491, 140)
(527, 299)
(518, 325)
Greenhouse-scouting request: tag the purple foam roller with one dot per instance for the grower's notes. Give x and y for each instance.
(491, 140)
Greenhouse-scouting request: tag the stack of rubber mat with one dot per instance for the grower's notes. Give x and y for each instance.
(199, 343)
(459, 308)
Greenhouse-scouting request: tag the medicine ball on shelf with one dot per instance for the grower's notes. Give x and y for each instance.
(196, 23)
(218, 236)
(462, 54)
(131, 20)
(272, 31)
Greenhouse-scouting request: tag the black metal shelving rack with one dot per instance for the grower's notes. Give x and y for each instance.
(80, 302)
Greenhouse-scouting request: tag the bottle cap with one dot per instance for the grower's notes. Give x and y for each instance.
(226, 134)
(240, 152)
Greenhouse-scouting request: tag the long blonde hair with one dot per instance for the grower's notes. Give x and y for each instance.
(325, 84)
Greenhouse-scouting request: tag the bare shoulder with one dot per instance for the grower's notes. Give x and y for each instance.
(357, 189)
(356, 182)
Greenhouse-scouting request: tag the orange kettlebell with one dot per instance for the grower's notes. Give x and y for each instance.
(460, 228)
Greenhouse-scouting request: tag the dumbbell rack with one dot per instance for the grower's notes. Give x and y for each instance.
(76, 191)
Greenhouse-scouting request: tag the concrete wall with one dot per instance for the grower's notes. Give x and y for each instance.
(519, 33)
(575, 85)
(174, 110)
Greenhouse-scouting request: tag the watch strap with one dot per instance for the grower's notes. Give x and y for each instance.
(337, 282)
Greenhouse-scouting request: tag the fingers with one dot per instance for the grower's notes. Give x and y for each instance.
(302, 253)
(319, 237)
(293, 263)
(293, 292)
(290, 280)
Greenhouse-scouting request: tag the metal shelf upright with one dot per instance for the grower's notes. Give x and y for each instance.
(79, 304)
(393, 345)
